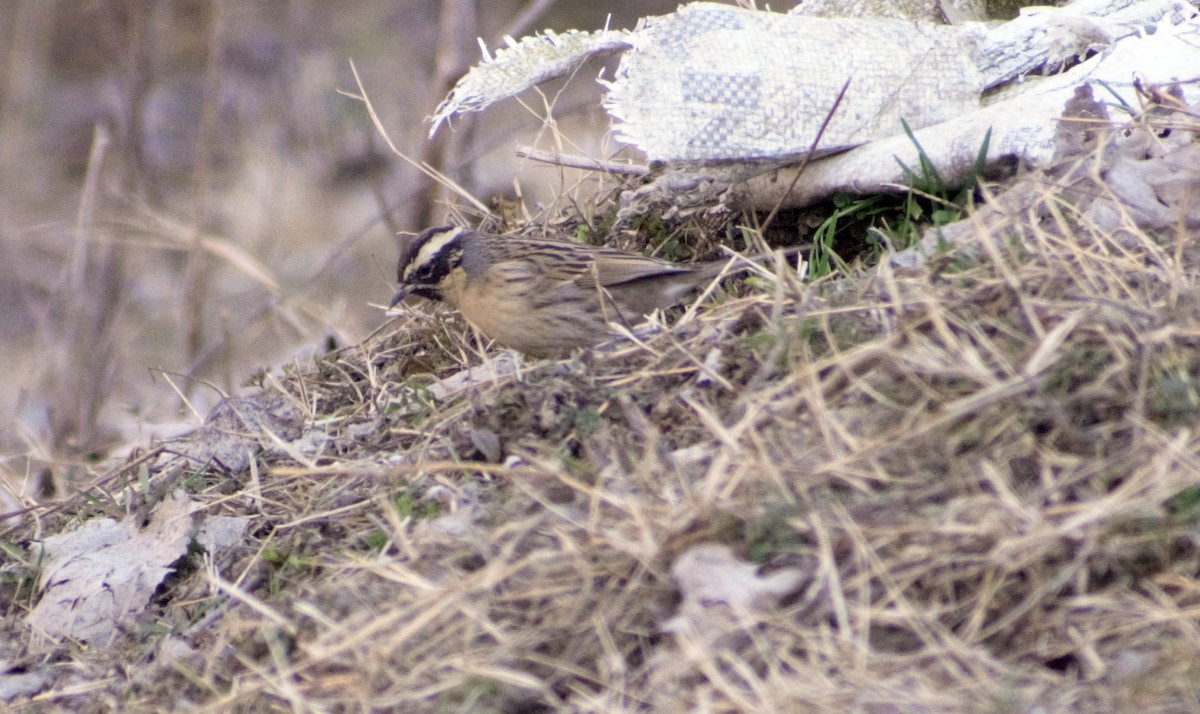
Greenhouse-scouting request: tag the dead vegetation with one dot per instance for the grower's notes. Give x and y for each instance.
(972, 486)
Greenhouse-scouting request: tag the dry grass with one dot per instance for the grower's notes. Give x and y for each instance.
(241, 213)
(984, 473)
(986, 470)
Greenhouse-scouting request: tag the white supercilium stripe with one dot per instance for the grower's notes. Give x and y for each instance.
(433, 246)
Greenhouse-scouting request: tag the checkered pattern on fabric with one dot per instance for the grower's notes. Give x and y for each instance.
(714, 82)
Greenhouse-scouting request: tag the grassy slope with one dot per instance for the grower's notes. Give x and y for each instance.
(986, 470)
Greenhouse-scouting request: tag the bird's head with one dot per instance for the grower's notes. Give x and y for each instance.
(427, 260)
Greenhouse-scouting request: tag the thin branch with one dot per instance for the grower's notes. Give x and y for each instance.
(581, 162)
(420, 166)
(807, 157)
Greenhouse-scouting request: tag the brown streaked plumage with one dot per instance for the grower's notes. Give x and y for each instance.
(541, 296)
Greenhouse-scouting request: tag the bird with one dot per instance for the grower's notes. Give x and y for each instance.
(544, 297)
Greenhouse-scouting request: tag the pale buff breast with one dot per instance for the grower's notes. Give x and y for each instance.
(511, 305)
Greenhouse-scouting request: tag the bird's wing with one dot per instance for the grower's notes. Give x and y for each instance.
(590, 267)
(611, 268)
(584, 266)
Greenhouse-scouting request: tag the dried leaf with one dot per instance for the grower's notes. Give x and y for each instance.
(24, 684)
(101, 575)
(219, 533)
(719, 590)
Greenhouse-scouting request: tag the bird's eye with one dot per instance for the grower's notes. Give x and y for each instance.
(435, 258)
(422, 273)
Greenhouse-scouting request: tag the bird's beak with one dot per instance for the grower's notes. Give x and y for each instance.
(403, 292)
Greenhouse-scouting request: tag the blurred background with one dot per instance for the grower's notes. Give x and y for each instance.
(187, 197)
